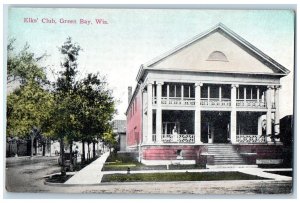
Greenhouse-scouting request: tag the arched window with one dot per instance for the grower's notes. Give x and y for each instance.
(217, 56)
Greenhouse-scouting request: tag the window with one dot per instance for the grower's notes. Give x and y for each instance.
(217, 56)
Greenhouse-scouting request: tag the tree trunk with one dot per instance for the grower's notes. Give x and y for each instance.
(31, 146)
(94, 150)
(71, 157)
(8, 150)
(88, 155)
(50, 148)
(83, 153)
(36, 146)
(17, 149)
(62, 156)
(44, 148)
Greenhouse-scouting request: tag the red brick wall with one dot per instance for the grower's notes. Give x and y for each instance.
(170, 152)
(134, 121)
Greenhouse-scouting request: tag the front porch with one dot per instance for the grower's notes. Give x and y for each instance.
(205, 113)
(178, 127)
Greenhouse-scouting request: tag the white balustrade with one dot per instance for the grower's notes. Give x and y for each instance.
(177, 101)
(178, 138)
(214, 102)
(250, 139)
(250, 103)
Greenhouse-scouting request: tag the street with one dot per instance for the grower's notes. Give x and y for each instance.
(26, 175)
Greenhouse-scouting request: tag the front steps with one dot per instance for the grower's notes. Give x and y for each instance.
(224, 155)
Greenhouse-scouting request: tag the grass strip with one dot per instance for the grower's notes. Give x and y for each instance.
(184, 176)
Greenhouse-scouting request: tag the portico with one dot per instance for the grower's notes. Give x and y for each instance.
(164, 96)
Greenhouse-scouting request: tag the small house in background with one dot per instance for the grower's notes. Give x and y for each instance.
(119, 128)
(212, 100)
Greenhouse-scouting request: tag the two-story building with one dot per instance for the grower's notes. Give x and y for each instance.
(212, 99)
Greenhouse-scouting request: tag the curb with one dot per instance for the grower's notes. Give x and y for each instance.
(68, 185)
(155, 183)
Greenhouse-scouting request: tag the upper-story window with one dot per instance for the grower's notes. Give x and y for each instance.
(217, 56)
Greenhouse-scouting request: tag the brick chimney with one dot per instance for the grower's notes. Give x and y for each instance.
(129, 93)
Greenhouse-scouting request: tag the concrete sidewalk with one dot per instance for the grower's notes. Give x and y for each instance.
(91, 174)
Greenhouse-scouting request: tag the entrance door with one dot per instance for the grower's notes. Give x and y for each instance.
(221, 128)
(215, 126)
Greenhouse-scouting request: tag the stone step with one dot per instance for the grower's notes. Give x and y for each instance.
(228, 162)
(225, 154)
(228, 158)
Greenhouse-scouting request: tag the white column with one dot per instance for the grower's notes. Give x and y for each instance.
(182, 92)
(277, 119)
(208, 93)
(145, 119)
(220, 93)
(168, 93)
(269, 113)
(258, 95)
(259, 126)
(233, 114)
(245, 96)
(158, 112)
(149, 113)
(197, 123)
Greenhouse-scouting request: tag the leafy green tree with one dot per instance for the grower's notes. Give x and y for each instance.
(97, 109)
(109, 139)
(26, 76)
(24, 65)
(27, 109)
(65, 122)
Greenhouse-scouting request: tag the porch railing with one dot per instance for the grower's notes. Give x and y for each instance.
(250, 139)
(215, 102)
(250, 103)
(178, 138)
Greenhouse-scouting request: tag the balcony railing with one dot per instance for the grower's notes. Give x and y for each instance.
(250, 103)
(178, 138)
(211, 102)
(214, 102)
(250, 139)
(178, 101)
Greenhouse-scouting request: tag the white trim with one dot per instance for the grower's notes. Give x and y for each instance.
(231, 34)
(213, 71)
(269, 161)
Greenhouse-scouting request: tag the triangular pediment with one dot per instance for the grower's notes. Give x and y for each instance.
(218, 50)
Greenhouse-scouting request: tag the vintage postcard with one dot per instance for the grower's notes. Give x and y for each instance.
(149, 101)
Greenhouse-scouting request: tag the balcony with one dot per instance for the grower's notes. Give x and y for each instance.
(211, 102)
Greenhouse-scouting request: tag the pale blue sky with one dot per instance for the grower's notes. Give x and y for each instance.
(133, 37)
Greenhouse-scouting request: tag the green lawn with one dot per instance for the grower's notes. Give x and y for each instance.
(185, 176)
